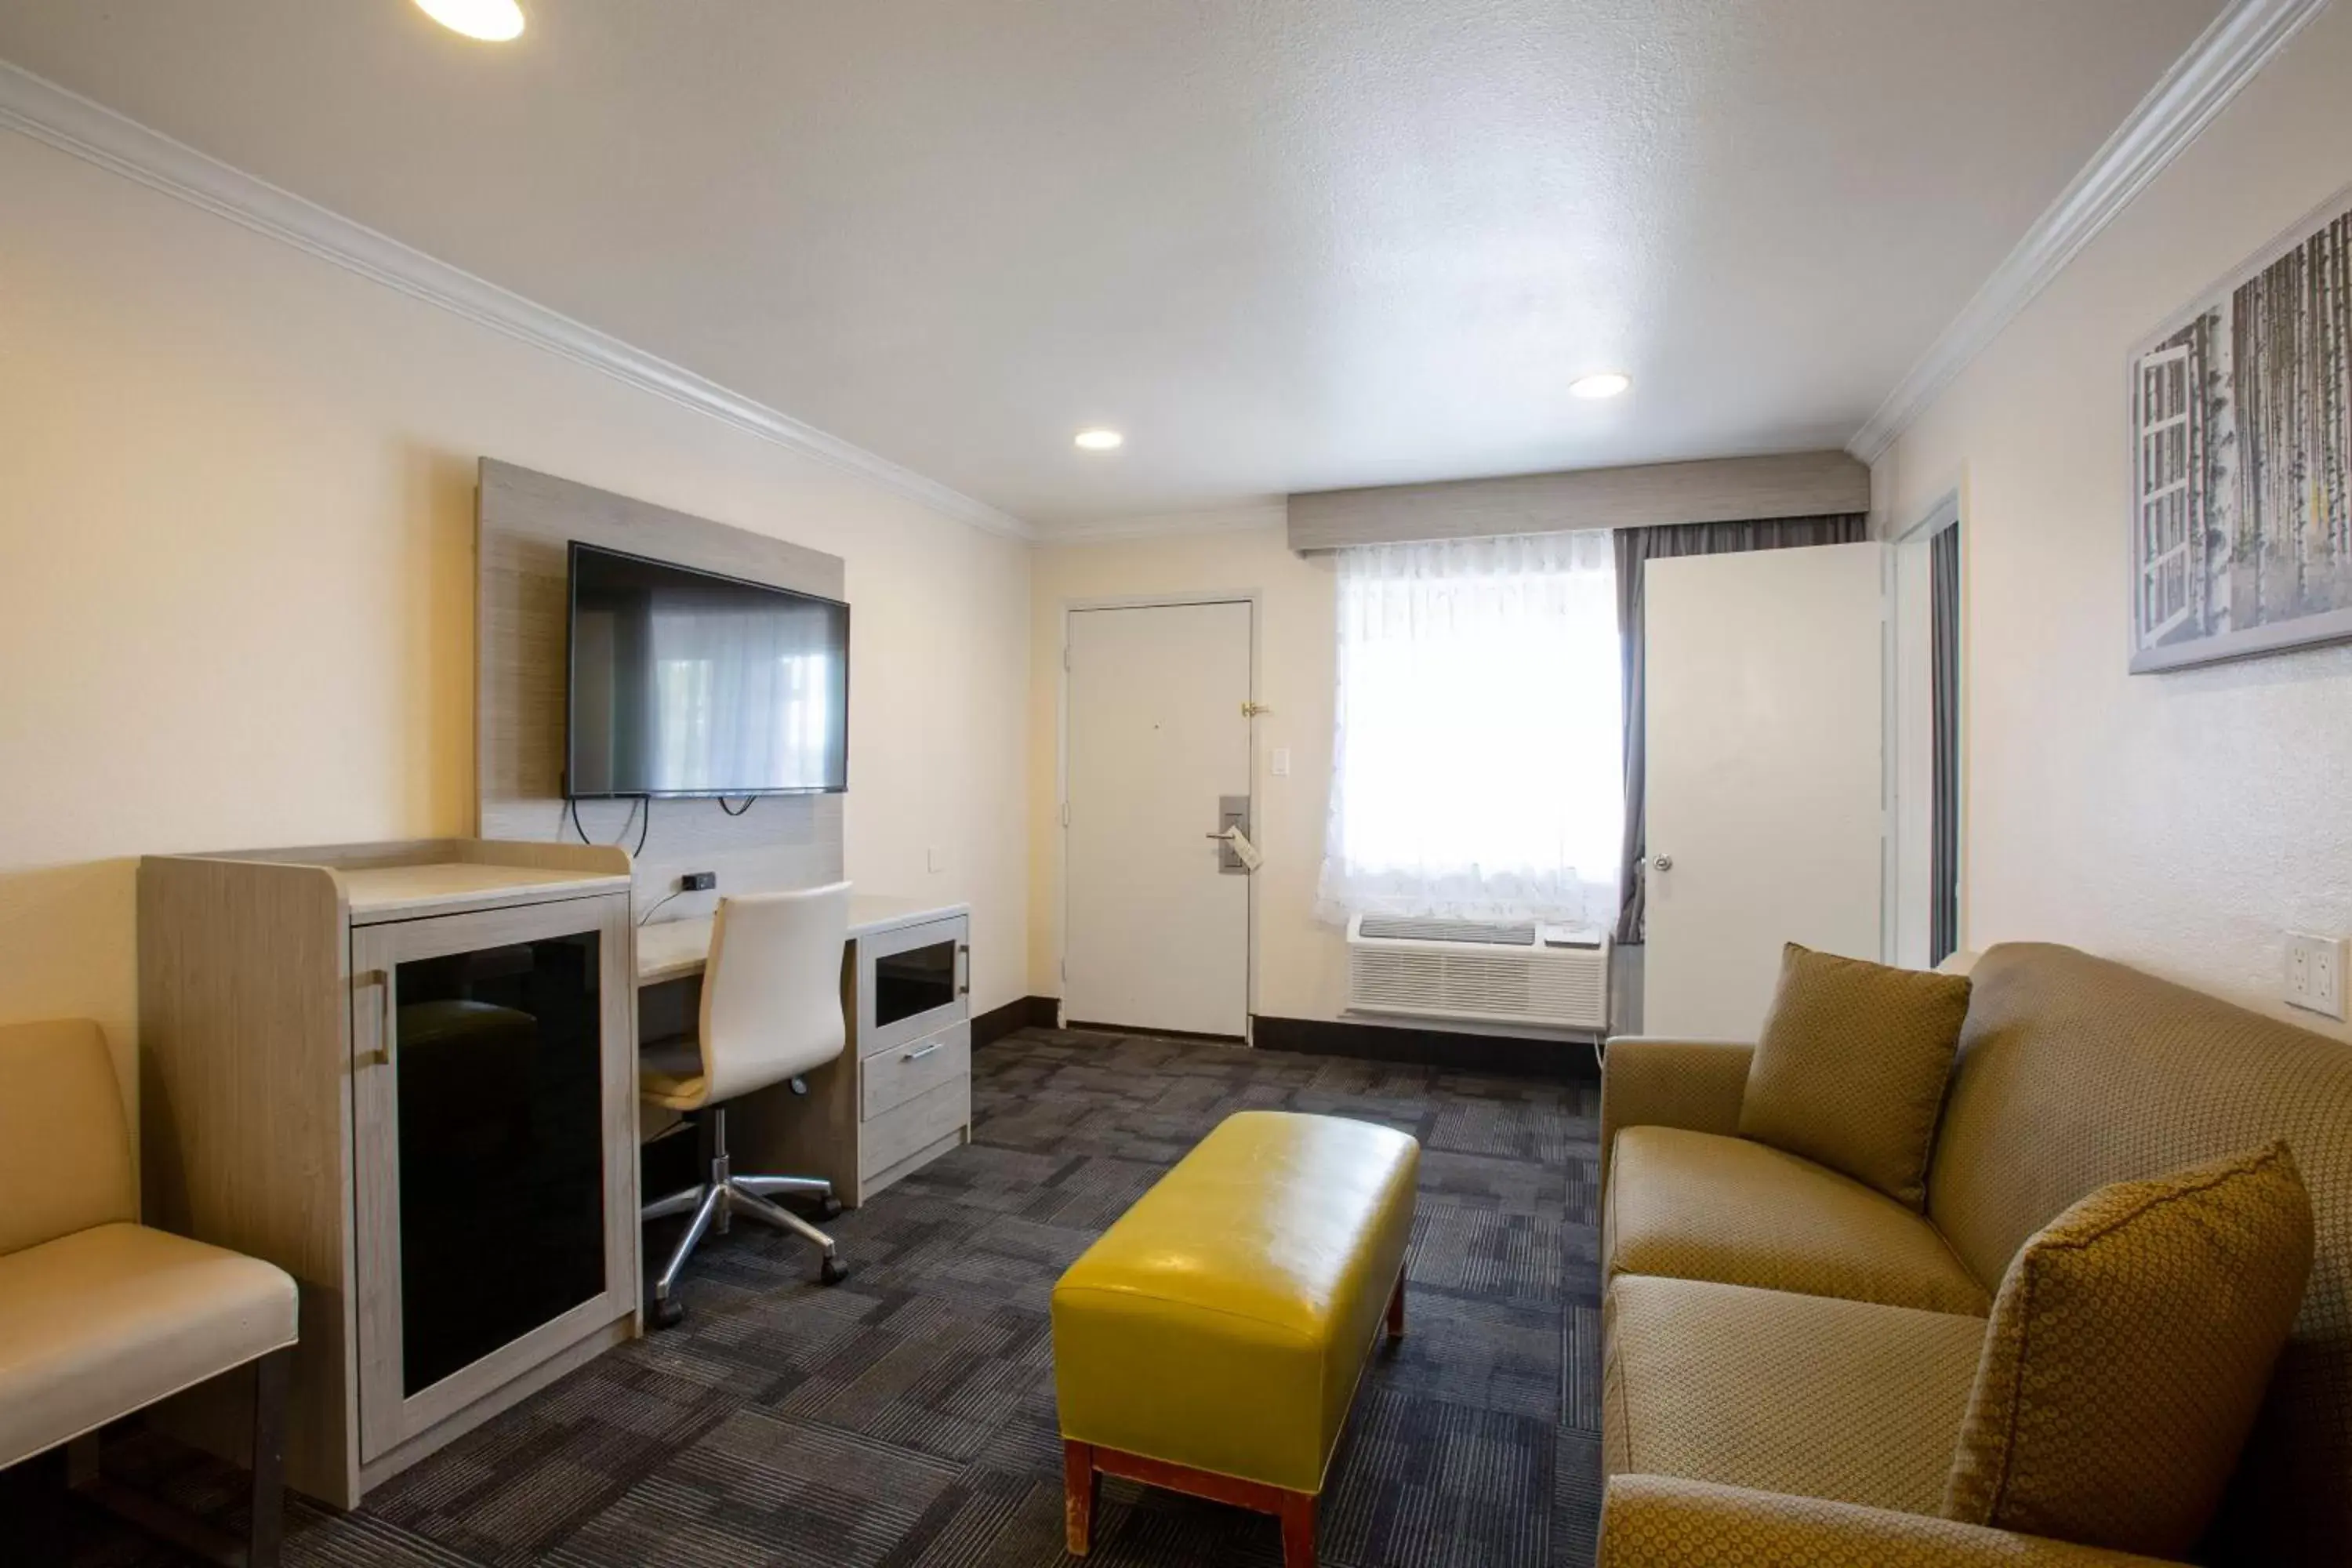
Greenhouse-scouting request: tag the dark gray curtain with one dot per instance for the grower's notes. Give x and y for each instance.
(1944, 630)
(1636, 548)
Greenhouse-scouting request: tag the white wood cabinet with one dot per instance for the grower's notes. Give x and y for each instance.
(407, 1075)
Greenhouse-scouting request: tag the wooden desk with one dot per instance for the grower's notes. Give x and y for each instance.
(900, 1095)
(676, 950)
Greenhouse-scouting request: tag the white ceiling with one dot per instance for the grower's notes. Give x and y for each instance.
(1285, 245)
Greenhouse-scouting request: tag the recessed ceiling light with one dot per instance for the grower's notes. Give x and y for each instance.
(1605, 384)
(1100, 440)
(492, 21)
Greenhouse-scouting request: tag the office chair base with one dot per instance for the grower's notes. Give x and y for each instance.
(714, 1203)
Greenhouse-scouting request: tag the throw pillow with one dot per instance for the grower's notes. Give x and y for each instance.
(1850, 1070)
(2129, 1353)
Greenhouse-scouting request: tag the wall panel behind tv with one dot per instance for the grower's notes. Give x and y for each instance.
(523, 522)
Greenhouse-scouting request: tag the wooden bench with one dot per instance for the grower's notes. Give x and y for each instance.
(1211, 1341)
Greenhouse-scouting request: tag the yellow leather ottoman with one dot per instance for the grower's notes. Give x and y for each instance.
(1212, 1339)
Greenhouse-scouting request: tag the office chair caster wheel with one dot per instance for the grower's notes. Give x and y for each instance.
(834, 1272)
(828, 1207)
(668, 1313)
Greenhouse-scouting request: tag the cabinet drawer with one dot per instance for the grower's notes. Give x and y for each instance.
(903, 1130)
(891, 1078)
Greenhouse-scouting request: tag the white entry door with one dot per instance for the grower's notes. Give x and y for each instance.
(1156, 930)
(1766, 775)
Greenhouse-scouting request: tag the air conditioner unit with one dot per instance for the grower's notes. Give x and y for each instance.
(1487, 971)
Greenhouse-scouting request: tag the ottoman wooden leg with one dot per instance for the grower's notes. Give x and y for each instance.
(1396, 1309)
(1298, 1530)
(1081, 1484)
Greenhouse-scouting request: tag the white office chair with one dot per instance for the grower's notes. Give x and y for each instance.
(771, 1012)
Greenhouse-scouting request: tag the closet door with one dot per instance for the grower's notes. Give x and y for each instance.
(1767, 775)
(494, 1084)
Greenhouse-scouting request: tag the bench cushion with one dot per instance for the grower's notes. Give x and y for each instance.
(1222, 1323)
(1806, 1395)
(1699, 1205)
(108, 1320)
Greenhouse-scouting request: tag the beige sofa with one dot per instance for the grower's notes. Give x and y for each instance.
(1788, 1355)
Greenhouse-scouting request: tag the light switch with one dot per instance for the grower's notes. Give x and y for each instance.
(2314, 973)
(1280, 764)
(935, 860)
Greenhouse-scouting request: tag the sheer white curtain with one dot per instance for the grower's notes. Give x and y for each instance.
(1477, 771)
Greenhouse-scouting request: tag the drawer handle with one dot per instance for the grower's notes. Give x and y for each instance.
(926, 1050)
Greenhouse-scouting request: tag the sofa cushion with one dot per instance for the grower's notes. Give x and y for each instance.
(2075, 1072)
(1698, 1206)
(1662, 1521)
(1843, 1400)
(1851, 1067)
(109, 1320)
(2127, 1353)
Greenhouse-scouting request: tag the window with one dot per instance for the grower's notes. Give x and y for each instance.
(2164, 493)
(1476, 770)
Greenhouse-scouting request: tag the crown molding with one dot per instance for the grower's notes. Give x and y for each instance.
(1232, 517)
(2186, 99)
(89, 131)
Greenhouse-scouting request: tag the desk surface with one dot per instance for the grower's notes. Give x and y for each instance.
(672, 950)
(381, 892)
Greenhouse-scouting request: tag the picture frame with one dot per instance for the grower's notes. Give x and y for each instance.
(2240, 423)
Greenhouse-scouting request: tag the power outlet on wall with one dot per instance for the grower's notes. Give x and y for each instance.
(2314, 973)
(698, 881)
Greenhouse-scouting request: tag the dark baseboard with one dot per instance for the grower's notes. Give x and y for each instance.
(1522, 1058)
(1021, 1012)
(1100, 1026)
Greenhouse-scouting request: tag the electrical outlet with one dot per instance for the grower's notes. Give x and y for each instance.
(698, 881)
(2314, 973)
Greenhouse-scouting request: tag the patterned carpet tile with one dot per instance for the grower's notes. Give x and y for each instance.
(906, 1418)
(761, 1487)
(934, 1378)
(1485, 1252)
(1575, 1497)
(1505, 1363)
(1487, 1181)
(1432, 1484)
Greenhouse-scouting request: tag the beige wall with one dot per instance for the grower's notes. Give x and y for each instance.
(1300, 962)
(2179, 822)
(237, 604)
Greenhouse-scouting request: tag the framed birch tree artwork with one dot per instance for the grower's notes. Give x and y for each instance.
(2241, 460)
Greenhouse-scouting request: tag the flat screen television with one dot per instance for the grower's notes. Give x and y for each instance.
(687, 683)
